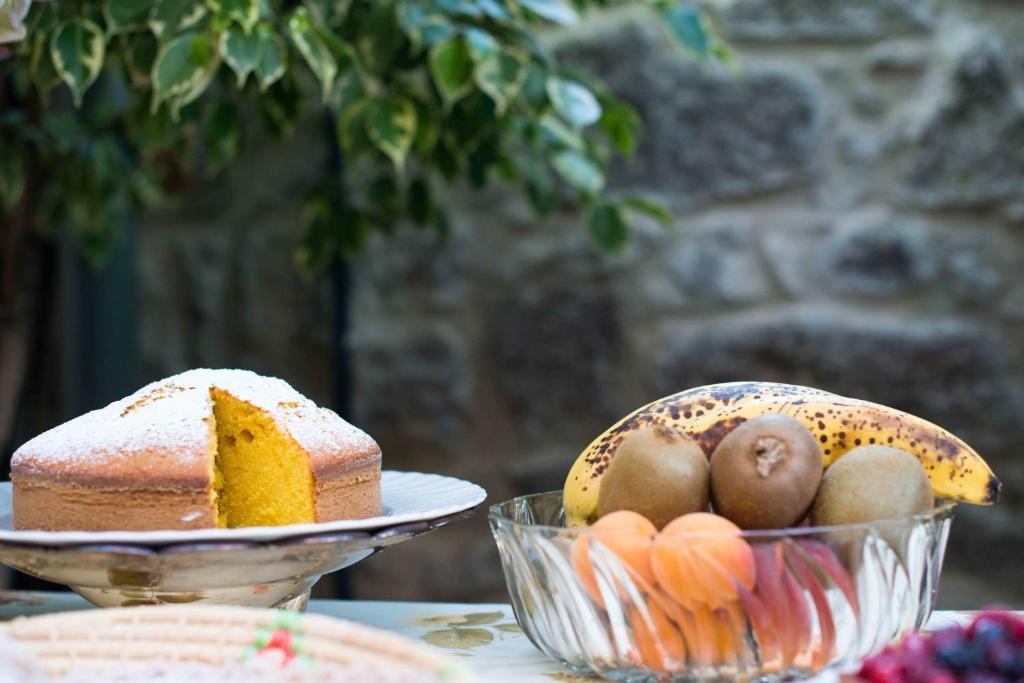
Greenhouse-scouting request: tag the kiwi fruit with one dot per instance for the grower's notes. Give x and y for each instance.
(657, 472)
(871, 483)
(765, 473)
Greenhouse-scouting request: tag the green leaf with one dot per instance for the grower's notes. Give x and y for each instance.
(261, 52)
(619, 122)
(382, 195)
(689, 27)
(182, 71)
(281, 105)
(170, 16)
(608, 228)
(573, 101)
(452, 68)
(77, 49)
(380, 39)
(352, 128)
(539, 185)
(481, 43)
(579, 171)
(447, 159)
(41, 68)
(509, 628)
(224, 136)
(428, 127)
(319, 245)
(245, 12)
(391, 125)
(139, 50)
(314, 50)
(559, 133)
(649, 207)
(271, 65)
(500, 76)
(493, 9)
(423, 26)
(555, 11)
(126, 15)
(420, 206)
(240, 51)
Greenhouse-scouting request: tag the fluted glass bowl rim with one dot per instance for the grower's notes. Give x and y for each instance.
(943, 509)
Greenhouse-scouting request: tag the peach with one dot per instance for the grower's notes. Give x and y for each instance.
(658, 639)
(700, 559)
(628, 536)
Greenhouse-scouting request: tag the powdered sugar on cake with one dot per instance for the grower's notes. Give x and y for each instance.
(174, 418)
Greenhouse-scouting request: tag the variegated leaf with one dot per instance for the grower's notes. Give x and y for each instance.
(422, 24)
(451, 68)
(391, 126)
(500, 76)
(314, 50)
(77, 49)
(182, 71)
(170, 16)
(244, 12)
(122, 16)
(260, 52)
(556, 11)
(573, 101)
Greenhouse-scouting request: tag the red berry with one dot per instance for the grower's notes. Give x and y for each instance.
(882, 669)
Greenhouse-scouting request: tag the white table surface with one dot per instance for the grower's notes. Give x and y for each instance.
(484, 636)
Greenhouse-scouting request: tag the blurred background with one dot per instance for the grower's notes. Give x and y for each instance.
(849, 214)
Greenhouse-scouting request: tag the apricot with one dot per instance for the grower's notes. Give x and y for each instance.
(628, 536)
(710, 637)
(700, 559)
(658, 639)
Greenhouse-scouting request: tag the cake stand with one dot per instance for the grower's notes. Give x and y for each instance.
(254, 567)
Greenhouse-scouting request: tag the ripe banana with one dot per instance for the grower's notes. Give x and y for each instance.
(840, 424)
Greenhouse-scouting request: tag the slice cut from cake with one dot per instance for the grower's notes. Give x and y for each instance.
(205, 448)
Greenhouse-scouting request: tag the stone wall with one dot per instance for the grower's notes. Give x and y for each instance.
(850, 215)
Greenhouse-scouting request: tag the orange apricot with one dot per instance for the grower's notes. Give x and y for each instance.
(628, 536)
(658, 639)
(700, 559)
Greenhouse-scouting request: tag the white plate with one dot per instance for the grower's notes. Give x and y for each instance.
(407, 497)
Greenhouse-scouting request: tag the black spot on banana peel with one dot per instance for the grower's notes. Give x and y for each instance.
(707, 414)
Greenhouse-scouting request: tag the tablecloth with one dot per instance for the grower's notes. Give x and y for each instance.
(484, 636)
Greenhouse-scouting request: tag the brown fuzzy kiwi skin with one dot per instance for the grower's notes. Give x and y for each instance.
(657, 472)
(871, 483)
(765, 473)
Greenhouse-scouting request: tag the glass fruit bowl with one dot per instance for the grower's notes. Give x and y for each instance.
(756, 605)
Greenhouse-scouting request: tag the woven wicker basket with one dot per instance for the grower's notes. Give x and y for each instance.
(97, 639)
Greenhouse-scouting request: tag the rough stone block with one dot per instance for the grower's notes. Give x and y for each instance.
(970, 152)
(795, 20)
(878, 256)
(708, 134)
(555, 352)
(413, 382)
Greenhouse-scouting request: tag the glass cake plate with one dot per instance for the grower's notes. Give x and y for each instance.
(252, 566)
